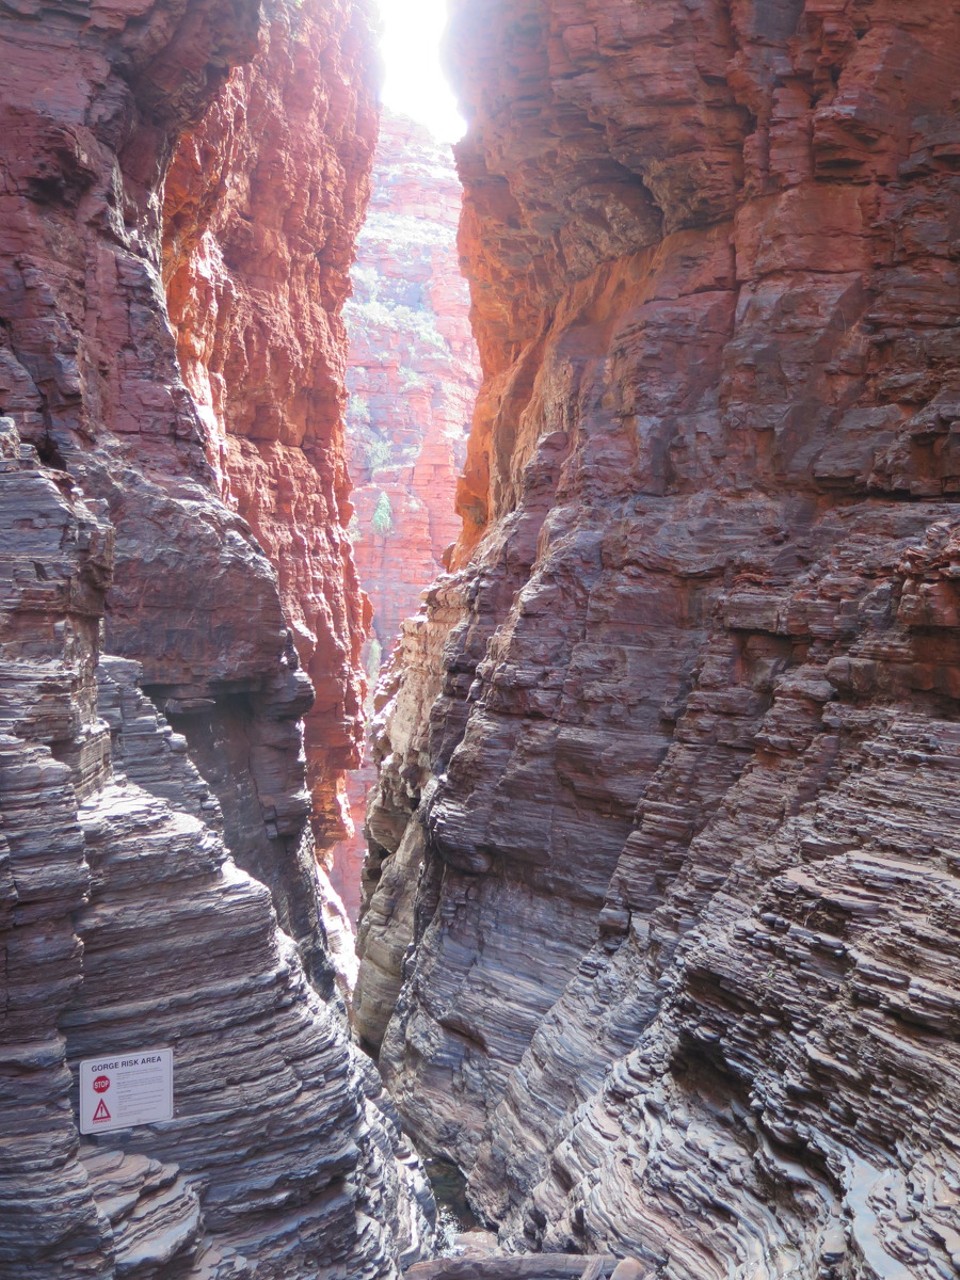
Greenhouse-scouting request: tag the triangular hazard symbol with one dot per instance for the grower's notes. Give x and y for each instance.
(101, 1112)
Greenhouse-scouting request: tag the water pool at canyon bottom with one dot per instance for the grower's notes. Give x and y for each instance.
(454, 1215)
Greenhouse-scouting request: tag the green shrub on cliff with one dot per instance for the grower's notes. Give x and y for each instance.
(378, 452)
(382, 519)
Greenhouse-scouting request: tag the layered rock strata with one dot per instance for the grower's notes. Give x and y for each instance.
(126, 921)
(262, 205)
(681, 842)
(543, 1267)
(413, 375)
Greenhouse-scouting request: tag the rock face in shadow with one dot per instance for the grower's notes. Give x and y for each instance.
(673, 942)
(413, 376)
(126, 920)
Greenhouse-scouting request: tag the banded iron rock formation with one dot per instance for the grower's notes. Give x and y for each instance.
(413, 376)
(262, 205)
(662, 949)
(144, 902)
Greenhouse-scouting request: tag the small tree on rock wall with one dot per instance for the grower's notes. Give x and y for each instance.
(382, 519)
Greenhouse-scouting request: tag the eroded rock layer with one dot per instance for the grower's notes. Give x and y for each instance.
(126, 921)
(262, 206)
(679, 829)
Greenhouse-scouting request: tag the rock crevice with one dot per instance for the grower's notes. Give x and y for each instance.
(412, 377)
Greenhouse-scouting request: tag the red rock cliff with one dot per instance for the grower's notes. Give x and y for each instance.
(676, 844)
(126, 922)
(262, 205)
(413, 376)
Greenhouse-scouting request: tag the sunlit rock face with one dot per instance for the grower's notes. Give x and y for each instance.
(676, 845)
(262, 205)
(126, 920)
(412, 375)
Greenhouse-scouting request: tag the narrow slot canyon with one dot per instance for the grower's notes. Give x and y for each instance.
(412, 380)
(656, 923)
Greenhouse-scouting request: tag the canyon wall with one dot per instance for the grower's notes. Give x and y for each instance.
(262, 206)
(661, 949)
(413, 376)
(143, 901)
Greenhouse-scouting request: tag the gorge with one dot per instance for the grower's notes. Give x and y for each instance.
(659, 946)
(412, 378)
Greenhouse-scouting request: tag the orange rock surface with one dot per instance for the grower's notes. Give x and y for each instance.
(262, 204)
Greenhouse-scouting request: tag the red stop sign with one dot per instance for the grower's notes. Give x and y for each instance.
(101, 1084)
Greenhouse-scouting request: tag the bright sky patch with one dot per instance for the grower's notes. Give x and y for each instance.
(415, 82)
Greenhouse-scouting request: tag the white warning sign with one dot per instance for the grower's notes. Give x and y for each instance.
(126, 1089)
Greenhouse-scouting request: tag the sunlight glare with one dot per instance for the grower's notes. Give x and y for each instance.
(415, 82)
